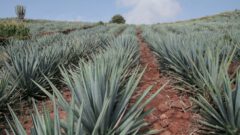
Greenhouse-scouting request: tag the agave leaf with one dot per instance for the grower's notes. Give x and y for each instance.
(19, 128)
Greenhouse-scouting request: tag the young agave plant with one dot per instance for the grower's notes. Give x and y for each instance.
(223, 112)
(29, 63)
(25, 65)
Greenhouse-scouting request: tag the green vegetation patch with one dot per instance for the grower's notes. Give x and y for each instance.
(13, 29)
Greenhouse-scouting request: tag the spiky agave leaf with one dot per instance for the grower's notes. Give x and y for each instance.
(44, 124)
(8, 92)
(223, 113)
(26, 65)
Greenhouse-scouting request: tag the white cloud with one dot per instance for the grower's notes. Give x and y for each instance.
(150, 11)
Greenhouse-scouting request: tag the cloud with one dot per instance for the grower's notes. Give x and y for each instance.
(150, 11)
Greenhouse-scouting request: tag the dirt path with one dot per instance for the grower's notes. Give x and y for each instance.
(170, 115)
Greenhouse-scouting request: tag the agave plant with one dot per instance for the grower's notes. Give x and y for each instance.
(131, 30)
(117, 30)
(223, 112)
(8, 93)
(44, 124)
(25, 64)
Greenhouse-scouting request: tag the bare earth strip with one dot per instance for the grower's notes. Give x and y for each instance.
(170, 115)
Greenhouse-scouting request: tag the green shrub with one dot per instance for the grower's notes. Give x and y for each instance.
(87, 26)
(12, 29)
(100, 23)
(118, 19)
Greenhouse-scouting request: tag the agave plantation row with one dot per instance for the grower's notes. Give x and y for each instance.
(45, 27)
(202, 56)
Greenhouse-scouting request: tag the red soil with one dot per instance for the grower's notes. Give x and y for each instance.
(26, 119)
(233, 68)
(171, 115)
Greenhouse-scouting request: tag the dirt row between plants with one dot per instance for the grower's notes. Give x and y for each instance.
(171, 115)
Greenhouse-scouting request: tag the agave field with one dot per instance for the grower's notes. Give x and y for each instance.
(117, 74)
(205, 54)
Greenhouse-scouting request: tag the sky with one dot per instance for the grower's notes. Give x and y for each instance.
(134, 11)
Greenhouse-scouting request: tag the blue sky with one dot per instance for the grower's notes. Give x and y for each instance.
(135, 11)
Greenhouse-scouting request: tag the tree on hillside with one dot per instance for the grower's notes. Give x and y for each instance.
(118, 19)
